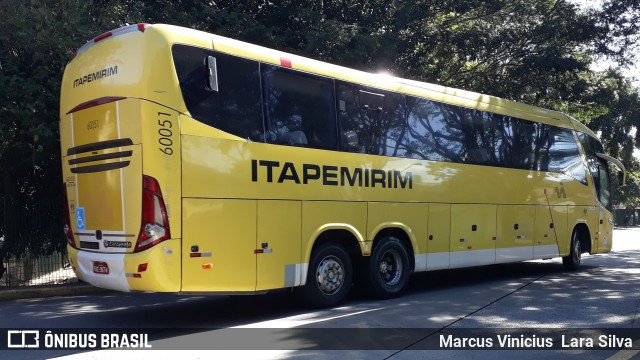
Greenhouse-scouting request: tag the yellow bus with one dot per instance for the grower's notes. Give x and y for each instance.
(195, 163)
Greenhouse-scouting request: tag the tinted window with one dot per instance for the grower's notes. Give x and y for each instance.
(597, 167)
(434, 133)
(522, 136)
(603, 186)
(371, 120)
(564, 155)
(299, 108)
(236, 106)
(589, 145)
(482, 141)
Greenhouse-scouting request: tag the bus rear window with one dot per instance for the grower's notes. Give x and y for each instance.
(236, 107)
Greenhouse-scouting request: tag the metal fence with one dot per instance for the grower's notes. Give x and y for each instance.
(32, 244)
(28, 270)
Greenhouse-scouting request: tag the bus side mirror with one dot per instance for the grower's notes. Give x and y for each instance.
(616, 163)
(212, 76)
(622, 178)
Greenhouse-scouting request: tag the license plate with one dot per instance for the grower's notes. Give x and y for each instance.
(100, 267)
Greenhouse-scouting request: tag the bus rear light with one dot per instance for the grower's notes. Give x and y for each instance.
(68, 230)
(142, 267)
(155, 224)
(142, 26)
(103, 36)
(95, 102)
(286, 62)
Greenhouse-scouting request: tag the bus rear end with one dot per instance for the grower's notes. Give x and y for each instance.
(120, 168)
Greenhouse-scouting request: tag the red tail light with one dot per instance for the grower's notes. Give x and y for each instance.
(102, 37)
(68, 231)
(155, 224)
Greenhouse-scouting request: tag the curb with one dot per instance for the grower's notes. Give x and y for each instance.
(44, 291)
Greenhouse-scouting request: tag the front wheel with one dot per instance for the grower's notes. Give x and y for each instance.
(387, 273)
(329, 276)
(572, 261)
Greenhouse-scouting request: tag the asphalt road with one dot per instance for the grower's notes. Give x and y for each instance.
(538, 295)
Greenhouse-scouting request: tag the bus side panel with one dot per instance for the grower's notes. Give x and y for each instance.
(605, 232)
(319, 216)
(515, 233)
(162, 273)
(473, 233)
(410, 217)
(161, 157)
(279, 264)
(218, 245)
(561, 225)
(439, 234)
(545, 245)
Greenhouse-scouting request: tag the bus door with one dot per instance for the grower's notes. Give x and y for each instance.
(599, 169)
(605, 216)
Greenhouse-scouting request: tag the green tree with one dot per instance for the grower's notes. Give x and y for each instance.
(37, 38)
(617, 127)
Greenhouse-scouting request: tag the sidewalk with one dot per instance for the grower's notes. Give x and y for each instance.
(41, 291)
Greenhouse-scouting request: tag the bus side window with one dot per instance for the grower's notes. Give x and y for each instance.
(434, 131)
(355, 125)
(299, 108)
(604, 193)
(502, 143)
(235, 105)
(597, 168)
(371, 120)
(564, 155)
(480, 138)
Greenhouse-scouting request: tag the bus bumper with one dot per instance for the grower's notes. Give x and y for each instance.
(156, 269)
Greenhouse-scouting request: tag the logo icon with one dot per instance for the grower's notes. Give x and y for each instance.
(21, 339)
(80, 218)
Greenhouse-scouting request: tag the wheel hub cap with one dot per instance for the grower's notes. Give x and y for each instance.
(330, 275)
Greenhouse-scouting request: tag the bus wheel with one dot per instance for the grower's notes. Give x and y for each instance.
(388, 269)
(329, 276)
(572, 261)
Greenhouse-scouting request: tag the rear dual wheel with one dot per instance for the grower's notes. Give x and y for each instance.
(388, 269)
(330, 274)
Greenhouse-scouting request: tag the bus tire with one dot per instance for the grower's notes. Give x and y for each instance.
(329, 276)
(573, 260)
(388, 269)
